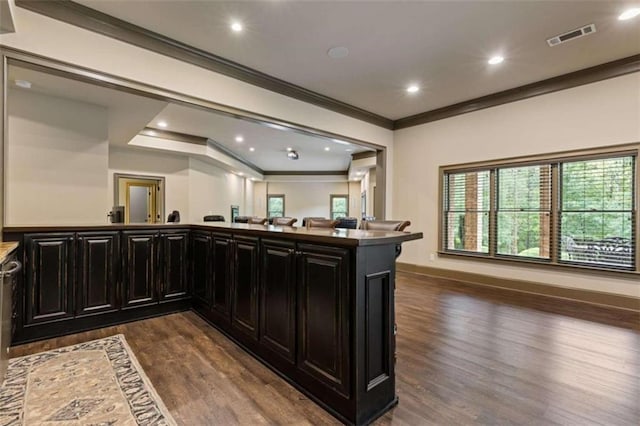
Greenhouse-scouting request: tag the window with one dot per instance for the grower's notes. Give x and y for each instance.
(339, 206)
(573, 211)
(275, 206)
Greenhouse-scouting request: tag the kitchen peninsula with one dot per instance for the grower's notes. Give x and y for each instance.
(315, 305)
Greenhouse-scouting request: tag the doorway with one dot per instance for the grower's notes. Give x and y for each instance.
(141, 196)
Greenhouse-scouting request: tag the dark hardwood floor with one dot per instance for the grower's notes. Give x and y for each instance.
(466, 355)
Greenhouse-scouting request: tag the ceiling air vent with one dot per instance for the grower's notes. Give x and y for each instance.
(571, 35)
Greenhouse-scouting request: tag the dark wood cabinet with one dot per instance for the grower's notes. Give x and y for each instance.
(323, 315)
(317, 308)
(49, 277)
(222, 279)
(278, 299)
(173, 266)
(139, 266)
(97, 272)
(245, 286)
(201, 267)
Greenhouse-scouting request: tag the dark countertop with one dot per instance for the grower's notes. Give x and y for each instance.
(347, 237)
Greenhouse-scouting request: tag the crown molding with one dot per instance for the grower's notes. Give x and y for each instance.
(593, 74)
(174, 136)
(306, 173)
(101, 23)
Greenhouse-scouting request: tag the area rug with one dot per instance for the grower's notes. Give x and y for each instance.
(93, 383)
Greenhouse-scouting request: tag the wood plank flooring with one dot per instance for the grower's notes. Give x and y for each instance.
(466, 355)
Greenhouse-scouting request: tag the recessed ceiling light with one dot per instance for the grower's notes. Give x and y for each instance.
(240, 174)
(236, 27)
(413, 88)
(326, 148)
(252, 149)
(162, 124)
(239, 138)
(289, 149)
(338, 52)
(349, 150)
(23, 83)
(495, 60)
(629, 14)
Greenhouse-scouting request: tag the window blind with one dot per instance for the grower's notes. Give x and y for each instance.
(597, 214)
(523, 218)
(466, 212)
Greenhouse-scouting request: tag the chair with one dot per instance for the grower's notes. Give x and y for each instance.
(347, 222)
(384, 225)
(213, 218)
(257, 220)
(241, 219)
(321, 223)
(284, 221)
(174, 217)
(305, 219)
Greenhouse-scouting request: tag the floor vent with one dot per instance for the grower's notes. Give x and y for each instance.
(571, 35)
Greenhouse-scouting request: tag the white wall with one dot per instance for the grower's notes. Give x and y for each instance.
(301, 199)
(213, 191)
(174, 168)
(595, 115)
(56, 163)
(51, 38)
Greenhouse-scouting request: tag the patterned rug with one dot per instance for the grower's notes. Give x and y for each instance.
(92, 383)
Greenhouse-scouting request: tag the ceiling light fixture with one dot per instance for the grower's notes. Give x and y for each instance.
(236, 27)
(239, 138)
(338, 52)
(23, 83)
(495, 60)
(326, 148)
(240, 174)
(162, 124)
(349, 150)
(289, 149)
(252, 149)
(629, 14)
(292, 155)
(413, 88)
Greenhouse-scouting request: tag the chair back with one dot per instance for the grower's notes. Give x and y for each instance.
(241, 219)
(257, 220)
(385, 225)
(347, 222)
(213, 218)
(306, 219)
(321, 223)
(284, 221)
(174, 216)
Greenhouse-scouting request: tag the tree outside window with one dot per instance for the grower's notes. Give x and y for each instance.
(275, 205)
(339, 206)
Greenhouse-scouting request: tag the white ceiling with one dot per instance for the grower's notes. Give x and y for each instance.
(441, 45)
(129, 114)
(270, 144)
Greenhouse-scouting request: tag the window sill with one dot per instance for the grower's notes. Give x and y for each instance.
(547, 264)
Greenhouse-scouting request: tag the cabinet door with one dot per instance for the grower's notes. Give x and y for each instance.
(49, 277)
(139, 278)
(323, 303)
(97, 280)
(173, 283)
(278, 298)
(245, 289)
(202, 273)
(222, 263)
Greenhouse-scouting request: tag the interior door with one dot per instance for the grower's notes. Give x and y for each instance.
(141, 202)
